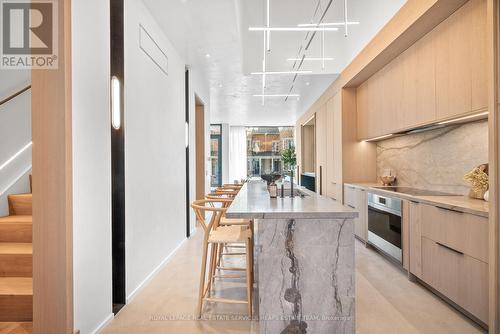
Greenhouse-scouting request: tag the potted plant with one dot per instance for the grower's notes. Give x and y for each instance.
(289, 160)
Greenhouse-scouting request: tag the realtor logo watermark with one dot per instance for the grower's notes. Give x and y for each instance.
(28, 34)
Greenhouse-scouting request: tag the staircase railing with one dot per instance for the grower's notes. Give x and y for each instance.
(13, 96)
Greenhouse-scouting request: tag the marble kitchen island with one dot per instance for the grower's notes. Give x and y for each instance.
(304, 259)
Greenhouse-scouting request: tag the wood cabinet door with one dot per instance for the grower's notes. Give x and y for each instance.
(330, 146)
(459, 277)
(415, 249)
(361, 227)
(453, 64)
(321, 150)
(478, 31)
(363, 120)
(418, 104)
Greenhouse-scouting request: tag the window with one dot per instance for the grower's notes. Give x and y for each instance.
(216, 155)
(264, 147)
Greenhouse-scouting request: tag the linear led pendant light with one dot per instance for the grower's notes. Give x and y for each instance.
(328, 24)
(277, 95)
(281, 72)
(345, 18)
(310, 59)
(268, 22)
(292, 29)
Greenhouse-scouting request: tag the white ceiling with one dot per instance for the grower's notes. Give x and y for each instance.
(219, 28)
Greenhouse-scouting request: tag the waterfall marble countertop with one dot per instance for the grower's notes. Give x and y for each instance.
(253, 202)
(458, 203)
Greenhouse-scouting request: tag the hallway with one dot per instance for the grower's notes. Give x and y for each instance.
(386, 301)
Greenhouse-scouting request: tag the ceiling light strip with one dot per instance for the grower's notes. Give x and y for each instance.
(282, 72)
(345, 18)
(268, 22)
(292, 29)
(330, 24)
(310, 59)
(277, 95)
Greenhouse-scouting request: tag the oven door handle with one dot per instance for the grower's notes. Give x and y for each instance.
(383, 210)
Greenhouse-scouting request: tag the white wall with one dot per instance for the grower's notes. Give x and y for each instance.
(91, 165)
(154, 151)
(15, 134)
(155, 157)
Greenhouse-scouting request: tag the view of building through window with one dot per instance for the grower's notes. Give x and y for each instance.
(216, 155)
(264, 147)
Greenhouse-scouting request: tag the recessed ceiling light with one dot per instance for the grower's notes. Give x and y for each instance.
(283, 72)
(207, 55)
(220, 85)
(291, 29)
(308, 83)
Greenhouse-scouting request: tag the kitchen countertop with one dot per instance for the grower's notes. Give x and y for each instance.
(458, 203)
(253, 202)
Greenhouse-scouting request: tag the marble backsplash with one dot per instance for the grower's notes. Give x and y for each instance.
(436, 159)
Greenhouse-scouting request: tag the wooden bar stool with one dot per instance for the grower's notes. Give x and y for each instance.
(216, 236)
(225, 250)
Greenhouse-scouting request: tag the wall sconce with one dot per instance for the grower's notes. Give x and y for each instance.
(115, 103)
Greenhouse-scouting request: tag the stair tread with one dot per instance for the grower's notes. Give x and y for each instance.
(16, 219)
(16, 327)
(15, 248)
(27, 195)
(16, 286)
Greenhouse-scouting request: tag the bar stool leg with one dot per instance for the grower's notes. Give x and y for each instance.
(202, 277)
(249, 277)
(211, 271)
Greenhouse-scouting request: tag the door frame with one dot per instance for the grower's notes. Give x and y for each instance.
(200, 144)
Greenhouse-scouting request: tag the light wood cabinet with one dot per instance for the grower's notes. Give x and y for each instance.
(442, 76)
(461, 278)
(321, 150)
(334, 148)
(449, 251)
(356, 199)
(365, 129)
(478, 49)
(418, 103)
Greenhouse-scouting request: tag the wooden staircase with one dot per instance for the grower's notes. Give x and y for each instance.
(16, 266)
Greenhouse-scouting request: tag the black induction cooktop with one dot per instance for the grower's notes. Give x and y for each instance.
(414, 191)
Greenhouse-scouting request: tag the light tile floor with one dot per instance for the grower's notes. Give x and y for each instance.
(386, 302)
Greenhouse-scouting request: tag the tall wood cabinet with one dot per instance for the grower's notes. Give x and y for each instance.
(321, 150)
(442, 76)
(340, 157)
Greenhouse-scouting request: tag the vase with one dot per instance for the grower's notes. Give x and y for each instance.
(477, 194)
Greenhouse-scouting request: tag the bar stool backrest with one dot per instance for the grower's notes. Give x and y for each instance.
(213, 208)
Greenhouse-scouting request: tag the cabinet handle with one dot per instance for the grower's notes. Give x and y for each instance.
(349, 205)
(449, 248)
(447, 209)
(321, 180)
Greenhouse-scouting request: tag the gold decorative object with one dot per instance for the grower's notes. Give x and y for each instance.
(387, 180)
(478, 178)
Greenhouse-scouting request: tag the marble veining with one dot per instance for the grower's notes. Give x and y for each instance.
(306, 276)
(436, 159)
